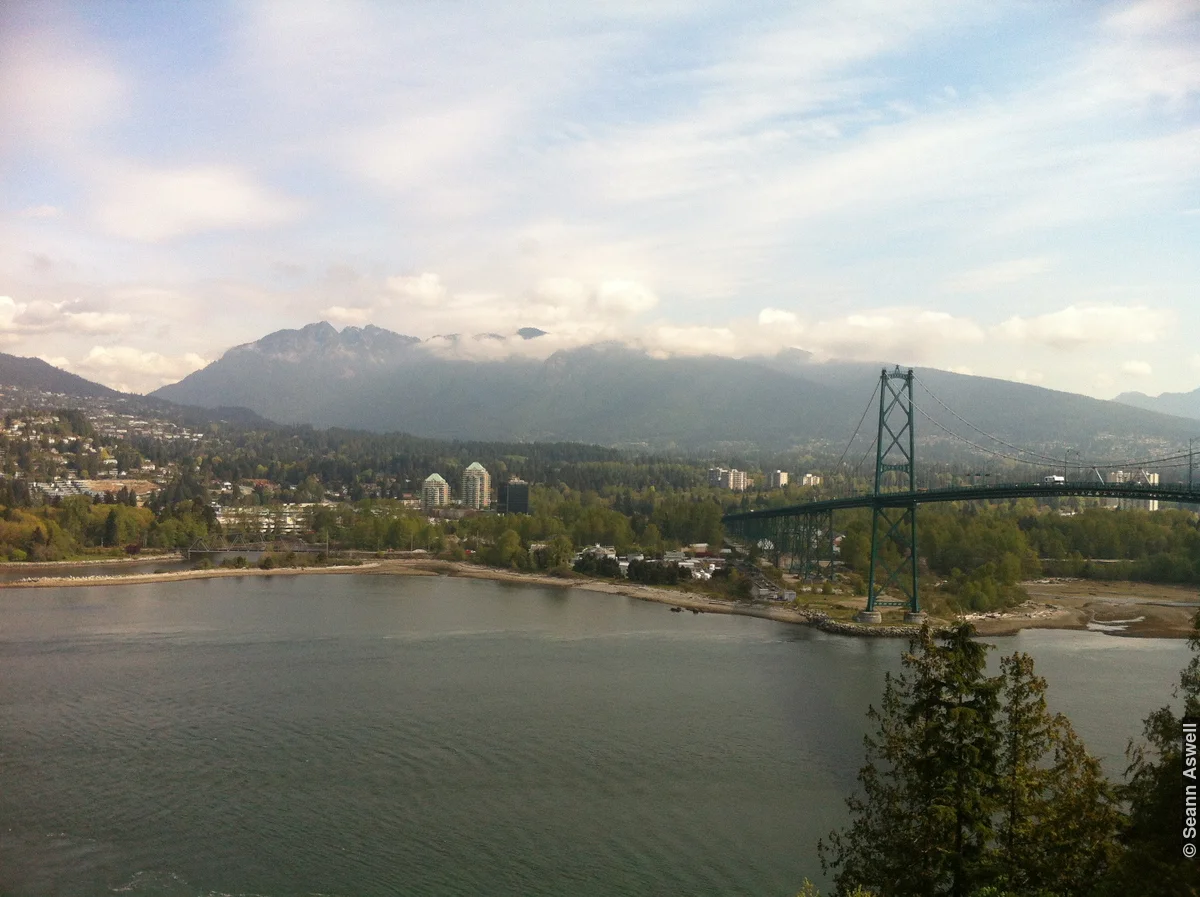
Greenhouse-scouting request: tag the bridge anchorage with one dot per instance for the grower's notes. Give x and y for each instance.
(805, 534)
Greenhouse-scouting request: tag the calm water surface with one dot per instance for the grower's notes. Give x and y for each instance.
(373, 735)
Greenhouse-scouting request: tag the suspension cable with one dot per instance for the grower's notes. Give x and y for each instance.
(1081, 462)
(858, 467)
(980, 431)
(870, 401)
(966, 441)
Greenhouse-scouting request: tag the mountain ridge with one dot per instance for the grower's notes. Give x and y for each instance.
(1181, 404)
(24, 372)
(611, 394)
(34, 374)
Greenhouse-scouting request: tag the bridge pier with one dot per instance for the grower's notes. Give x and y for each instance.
(916, 618)
(869, 616)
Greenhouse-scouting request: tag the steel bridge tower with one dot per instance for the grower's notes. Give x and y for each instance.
(894, 529)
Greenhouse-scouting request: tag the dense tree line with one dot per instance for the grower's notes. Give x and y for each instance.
(658, 573)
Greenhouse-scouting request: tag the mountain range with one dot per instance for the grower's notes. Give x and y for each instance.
(1183, 404)
(375, 379)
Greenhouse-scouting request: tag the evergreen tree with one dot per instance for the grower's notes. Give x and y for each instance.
(1153, 863)
(971, 787)
(1058, 818)
(925, 819)
(111, 528)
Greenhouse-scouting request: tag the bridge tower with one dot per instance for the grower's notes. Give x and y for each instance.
(894, 527)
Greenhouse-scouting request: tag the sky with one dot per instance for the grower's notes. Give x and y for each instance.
(1009, 189)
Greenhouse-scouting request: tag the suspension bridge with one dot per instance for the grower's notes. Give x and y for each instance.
(805, 534)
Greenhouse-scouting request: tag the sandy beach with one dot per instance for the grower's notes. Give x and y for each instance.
(1123, 608)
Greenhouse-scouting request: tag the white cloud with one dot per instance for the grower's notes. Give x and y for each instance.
(43, 211)
(422, 289)
(771, 317)
(624, 297)
(41, 317)
(996, 275)
(97, 322)
(9, 309)
(725, 176)
(1136, 368)
(136, 370)
(53, 85)
(1086, 325)
(416, 150)
(1023, 376)
(568, 308)
(156, 205)
(338, 314)
(692, 341)
(908, 333)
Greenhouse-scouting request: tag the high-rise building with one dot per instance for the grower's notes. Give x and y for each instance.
(715, 476)
(514, 497)
(777, 479)
(435, 492)
(810, 479)
(476, 486)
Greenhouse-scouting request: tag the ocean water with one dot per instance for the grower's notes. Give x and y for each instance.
(377, 735)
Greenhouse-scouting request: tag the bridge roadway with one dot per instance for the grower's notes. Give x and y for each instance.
(1169, 492)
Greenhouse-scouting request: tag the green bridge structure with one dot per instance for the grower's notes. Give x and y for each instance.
(805, 532)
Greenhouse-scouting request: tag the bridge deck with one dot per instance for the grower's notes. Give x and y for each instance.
(1175, 493)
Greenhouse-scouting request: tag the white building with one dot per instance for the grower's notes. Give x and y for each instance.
(810, 479)
(435, 492)
(777, 479)
(476, 486)
(733, 479)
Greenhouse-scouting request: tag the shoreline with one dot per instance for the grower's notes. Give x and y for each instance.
(1123, 615)
(128, 561)
(133, 579)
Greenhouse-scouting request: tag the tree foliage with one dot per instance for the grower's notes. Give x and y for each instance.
(970, 784)
(1151, 862)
